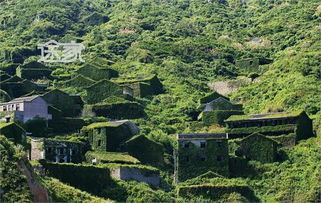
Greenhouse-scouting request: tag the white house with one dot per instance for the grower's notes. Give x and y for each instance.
(24, 109)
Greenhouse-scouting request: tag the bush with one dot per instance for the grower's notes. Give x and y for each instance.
(37, 126)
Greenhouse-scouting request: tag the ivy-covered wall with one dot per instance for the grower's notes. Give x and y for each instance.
(13, 132)
(146, 150)
(79, 82)
(108, 138)
(96, 73)
(218, 116)
(193, 160)
(33, 73)
(215, 191)
(304, 128)
(62, 101)
(66, 125)
(119, 110)
(93, 179)
(101, 90)
(258, 147)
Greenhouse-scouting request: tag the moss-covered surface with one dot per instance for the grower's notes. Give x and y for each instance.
(101, 90)
(263, 116)
(83, 176)
(13, 183)
(13, 132)
(110, 157)
(258, 147)
(195, 160)
(146, 150)
(79, 82)
(217, 116)
(210, 97)
(97, 73)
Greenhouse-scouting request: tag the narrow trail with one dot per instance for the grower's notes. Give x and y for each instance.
(39, 193)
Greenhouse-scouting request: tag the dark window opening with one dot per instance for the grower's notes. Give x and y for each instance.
(219, 158)
(203, 158)
(203, 144)
(61, 150)
(219, 143)
(99, 143)
(186, 145)
(61, 160)
(49, 150)
(99, 130)
(73, 152)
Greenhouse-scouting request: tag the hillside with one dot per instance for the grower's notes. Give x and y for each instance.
(187, 44)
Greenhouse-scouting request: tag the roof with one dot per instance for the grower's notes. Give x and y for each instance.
(106, 124)
(254, 117)
(190, 136)
(113, 157)
(4, 125)
(258, 135)
(22, 99)
(137, 79)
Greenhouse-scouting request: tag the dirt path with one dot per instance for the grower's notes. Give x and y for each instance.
(37, 190)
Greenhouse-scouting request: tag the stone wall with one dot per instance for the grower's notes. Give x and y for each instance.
(37, 149)
(138, 174)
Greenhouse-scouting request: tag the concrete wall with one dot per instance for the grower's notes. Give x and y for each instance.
(37, 149)
(37, 107)
(138, 174)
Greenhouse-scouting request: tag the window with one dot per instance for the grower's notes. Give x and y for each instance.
(49, 150)
(73, 152)
(99, 143)
(4, 108)
(203, 158)
(99, 130)
(219, 158)
(203, 144)
(219, 143)
(186, 145)
(18, 107)
(61, 151)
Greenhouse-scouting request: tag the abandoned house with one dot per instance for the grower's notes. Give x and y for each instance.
(96, 73)
(56, 150)
(104, 89)
(143, 86)
(110, 136)
(199, 153)
(13, 132)
(70, 105)
(258, 147)
(145, 149)
(24, 109)
(272, 124)
(217, 110)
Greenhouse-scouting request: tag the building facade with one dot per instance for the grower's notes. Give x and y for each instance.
(199, 153)
(25, 108)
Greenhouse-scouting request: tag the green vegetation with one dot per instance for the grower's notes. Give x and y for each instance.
(113, 157)
(14, 187)
(186, 44)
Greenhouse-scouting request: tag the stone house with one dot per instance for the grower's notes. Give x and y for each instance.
(272, 124)
(217, 110)
(143, 86)
(70, 105)
(102, 89)
(25, 108)
(96, 73)
(199, 153)
(258, 147)
(13, 132)
(110, 136)
(146, 150)
(56, 150)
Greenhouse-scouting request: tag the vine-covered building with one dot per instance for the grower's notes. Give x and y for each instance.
(272, 124)
(56, 150)
(199, 153)
(110, 136)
